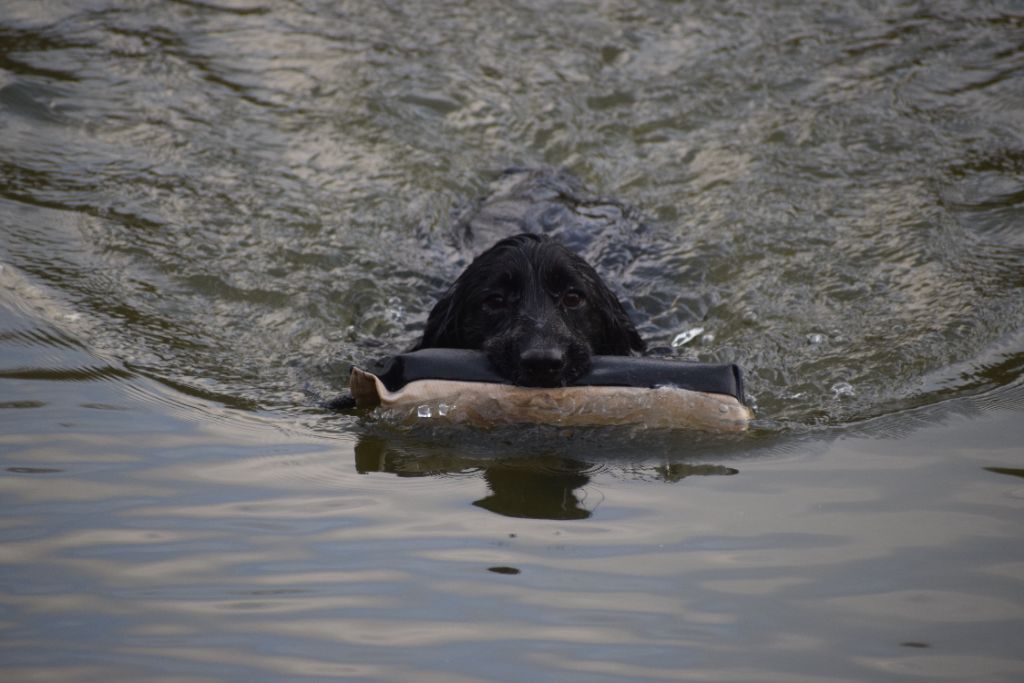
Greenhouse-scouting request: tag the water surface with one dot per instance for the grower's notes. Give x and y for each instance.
(206, 208)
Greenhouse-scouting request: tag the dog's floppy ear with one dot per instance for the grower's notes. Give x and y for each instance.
(619, 335)
(442, 329)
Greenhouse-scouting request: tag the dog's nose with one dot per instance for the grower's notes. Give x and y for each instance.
(542, 361)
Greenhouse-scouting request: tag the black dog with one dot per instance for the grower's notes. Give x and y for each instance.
(536, 309)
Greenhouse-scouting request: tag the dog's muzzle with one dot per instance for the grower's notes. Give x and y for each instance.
(542, 367)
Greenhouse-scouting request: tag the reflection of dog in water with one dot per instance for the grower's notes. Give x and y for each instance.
(545, 488)
(536, 493)
(523, 485)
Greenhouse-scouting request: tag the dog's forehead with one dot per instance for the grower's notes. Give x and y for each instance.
(516, 264)
(554, 267)
(560, 268)
(558, 275)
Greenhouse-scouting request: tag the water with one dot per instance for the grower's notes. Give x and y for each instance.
(207, 207)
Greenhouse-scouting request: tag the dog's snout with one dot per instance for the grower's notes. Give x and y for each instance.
(542, 365)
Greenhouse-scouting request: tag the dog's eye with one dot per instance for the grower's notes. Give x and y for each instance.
(572, 299)
(494, 302)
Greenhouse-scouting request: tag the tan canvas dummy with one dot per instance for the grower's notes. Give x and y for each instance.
(457, 387)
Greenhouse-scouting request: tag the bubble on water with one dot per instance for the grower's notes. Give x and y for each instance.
(843, 390)
(423, 411)
(815, 338)
(443, 408)
(72, 317)
(395, 310)
(686, 337)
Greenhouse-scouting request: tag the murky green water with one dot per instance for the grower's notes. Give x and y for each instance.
(206, 207)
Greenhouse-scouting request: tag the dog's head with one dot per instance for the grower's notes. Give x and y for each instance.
(536, 309)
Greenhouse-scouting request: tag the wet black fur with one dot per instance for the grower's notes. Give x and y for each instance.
(536, 309)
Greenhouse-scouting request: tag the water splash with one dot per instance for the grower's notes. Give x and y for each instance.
(685, 337)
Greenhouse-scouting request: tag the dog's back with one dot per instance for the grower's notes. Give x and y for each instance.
(552, 202)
